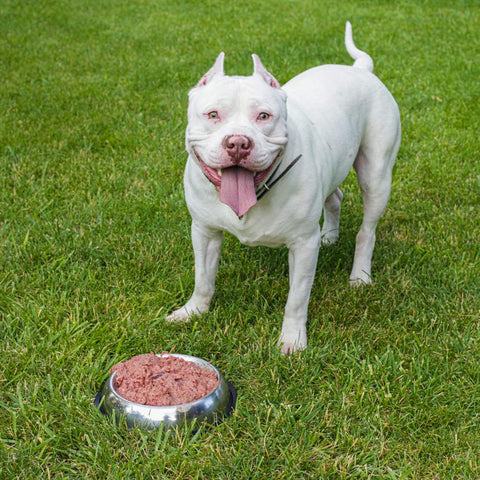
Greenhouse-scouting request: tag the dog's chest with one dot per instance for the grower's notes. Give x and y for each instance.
(252, 234)
(270, 225)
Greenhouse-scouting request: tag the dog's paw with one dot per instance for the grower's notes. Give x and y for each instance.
(180, 315)
(291, 348)
(329, 237)
(190, 309)
(291, 343)
(360, 281)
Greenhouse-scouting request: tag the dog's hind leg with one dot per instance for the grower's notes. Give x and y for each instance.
(374, 165)
(331, 217)
(375, 193)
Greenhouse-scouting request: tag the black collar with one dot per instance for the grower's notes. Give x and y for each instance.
(271, 181)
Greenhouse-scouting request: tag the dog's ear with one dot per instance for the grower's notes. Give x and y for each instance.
(259, 69)
(217, 69)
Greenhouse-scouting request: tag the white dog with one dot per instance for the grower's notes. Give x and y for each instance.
(265, 161)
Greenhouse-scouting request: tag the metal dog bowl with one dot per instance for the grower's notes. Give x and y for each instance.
(211, 408)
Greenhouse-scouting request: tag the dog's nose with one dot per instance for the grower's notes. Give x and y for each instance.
(238, 147)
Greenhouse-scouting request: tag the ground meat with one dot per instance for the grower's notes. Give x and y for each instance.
(160, 381)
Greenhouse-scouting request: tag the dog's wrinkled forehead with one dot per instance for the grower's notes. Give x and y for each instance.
(237, 93)
(216, 88)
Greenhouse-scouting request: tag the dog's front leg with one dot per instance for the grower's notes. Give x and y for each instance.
(302, 261)
(207, 245)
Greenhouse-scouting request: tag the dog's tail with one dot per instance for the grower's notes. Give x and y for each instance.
(362, 59)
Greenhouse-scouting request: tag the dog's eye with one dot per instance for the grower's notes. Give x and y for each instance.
(263, 116)
(213, 115)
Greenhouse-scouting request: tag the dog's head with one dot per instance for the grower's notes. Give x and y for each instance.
(236, 129)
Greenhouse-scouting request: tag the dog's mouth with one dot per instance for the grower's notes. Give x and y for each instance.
(216, 175)
(236, 185)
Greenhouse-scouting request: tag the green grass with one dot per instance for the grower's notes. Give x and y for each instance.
(95, 250)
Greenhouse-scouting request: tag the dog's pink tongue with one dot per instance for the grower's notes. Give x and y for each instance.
(237, 189)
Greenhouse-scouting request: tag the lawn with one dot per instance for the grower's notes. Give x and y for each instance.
(95, 248)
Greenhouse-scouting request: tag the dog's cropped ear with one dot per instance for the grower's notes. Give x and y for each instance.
(217, 69)
(259, 69)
